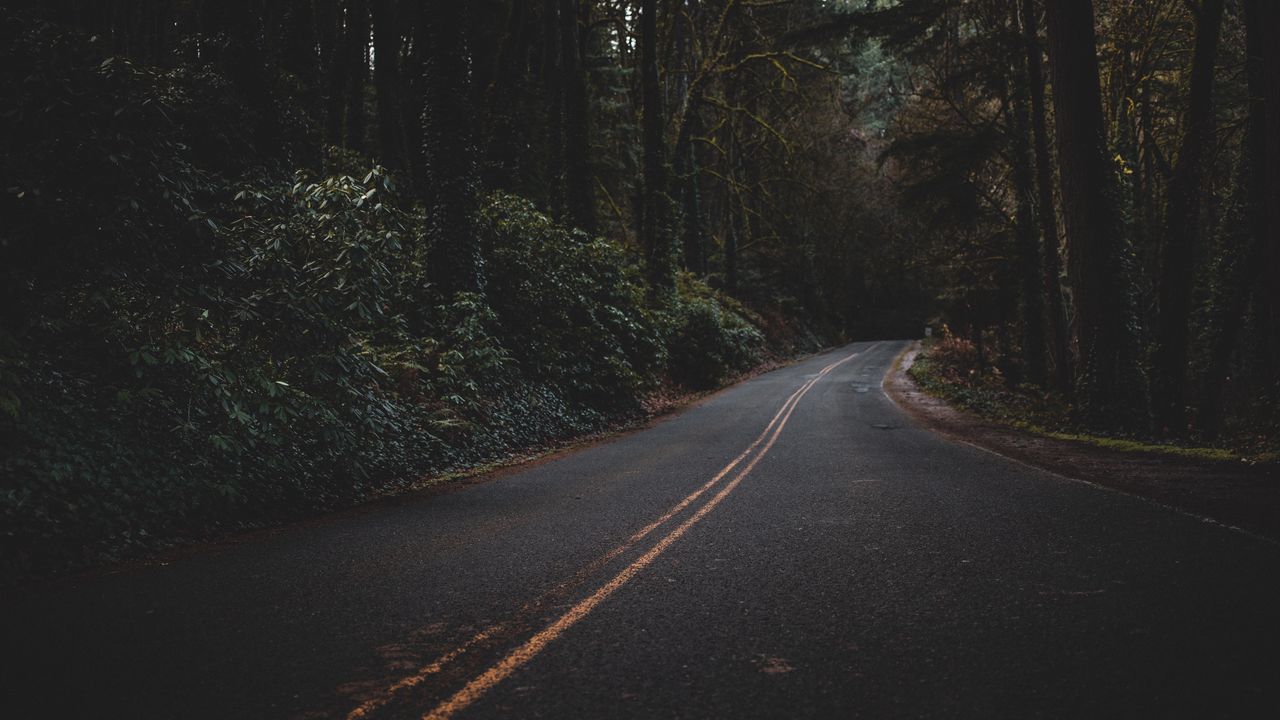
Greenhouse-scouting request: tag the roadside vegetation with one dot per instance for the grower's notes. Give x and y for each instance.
(1096, 194)
(949, 368)
(246, 277)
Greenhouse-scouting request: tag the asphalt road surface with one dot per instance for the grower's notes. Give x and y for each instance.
(790, 547)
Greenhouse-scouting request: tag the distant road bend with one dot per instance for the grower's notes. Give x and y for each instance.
(790, 547)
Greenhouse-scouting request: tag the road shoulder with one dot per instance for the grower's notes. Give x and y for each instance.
(1231, 493)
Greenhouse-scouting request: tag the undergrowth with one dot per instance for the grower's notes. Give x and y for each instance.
(950, 368)
(195, 338)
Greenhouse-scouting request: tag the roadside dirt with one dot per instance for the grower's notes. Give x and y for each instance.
(1231, 493)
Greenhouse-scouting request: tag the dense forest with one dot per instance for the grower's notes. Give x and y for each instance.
(260, 257)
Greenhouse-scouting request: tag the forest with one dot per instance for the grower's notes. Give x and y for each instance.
(260, 258)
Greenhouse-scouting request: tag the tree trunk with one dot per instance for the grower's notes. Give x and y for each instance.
(334, 61)
(1267, 13)
(411, 100)
(1236, 271)
(1051, 260)
(580, 199)
(386, 80)
(553, 182)
(1027, 241)
(357, 51)
(449, 149)
(505, 133)
(299, 56)
(247, 69)
(688, 124)
(654, 233)
(1112, 387)
(692, 229)
(1182, 230)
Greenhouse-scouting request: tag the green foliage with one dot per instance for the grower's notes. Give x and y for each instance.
(950, 368)
(710, 338)
(191, 340)
(572, 306)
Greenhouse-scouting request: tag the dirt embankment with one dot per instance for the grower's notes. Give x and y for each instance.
(1232, 493)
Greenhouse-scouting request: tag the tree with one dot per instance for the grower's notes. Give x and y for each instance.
(1237, 268)
(386, 80)
(334, 58)
(1182, 228)
(579, 188)
(654, 228)
(1267, 19)
(1051, 260)
(1112, 389)
(553, 105)
(1027, 237)
(449, 149)
(357, 60)
(505, 133)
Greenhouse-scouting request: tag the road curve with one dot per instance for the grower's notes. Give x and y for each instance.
(790, 547)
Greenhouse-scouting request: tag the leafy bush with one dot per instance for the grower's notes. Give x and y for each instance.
(308, 364)
(950, 368)
(710, 338)
(571, 307)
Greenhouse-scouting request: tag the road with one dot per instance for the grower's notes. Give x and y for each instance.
(789, 547)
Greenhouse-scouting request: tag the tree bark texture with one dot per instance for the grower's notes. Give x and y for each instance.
(654, 231)
(1047, 215)
(386, 81)
(449, 151)
(1112, 389)
(1182, 230)
(357, 51)
(579, 190)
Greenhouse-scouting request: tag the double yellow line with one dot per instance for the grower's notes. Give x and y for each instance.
(485, 681)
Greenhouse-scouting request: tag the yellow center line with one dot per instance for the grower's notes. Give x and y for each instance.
(387, 695)
(534, 645)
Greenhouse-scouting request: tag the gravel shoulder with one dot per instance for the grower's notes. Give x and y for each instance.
(1231, 493)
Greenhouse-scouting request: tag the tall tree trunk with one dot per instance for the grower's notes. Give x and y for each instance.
(299, 56)
(411, 101)
(357, 39)
(386, 80)
(505, 133)
(1236, 272)
(580, 199)
(1267, 13)
(688, 124)
(1112, 387)
(654, 230)
(734, 203)
(552, 88)
(1027, 240)
(247, 69)
(333, 59)
(692, 228)
(1182, 230)
(449, 149)
(1051, 260)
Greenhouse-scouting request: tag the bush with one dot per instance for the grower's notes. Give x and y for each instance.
(571, 307)
(709, 341)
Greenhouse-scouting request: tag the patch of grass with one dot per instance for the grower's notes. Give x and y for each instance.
(1127, 445)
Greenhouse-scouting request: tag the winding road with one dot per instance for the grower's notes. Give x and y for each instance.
(789, 547)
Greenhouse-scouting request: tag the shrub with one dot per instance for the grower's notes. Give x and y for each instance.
(571, 307)
(708, 341)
